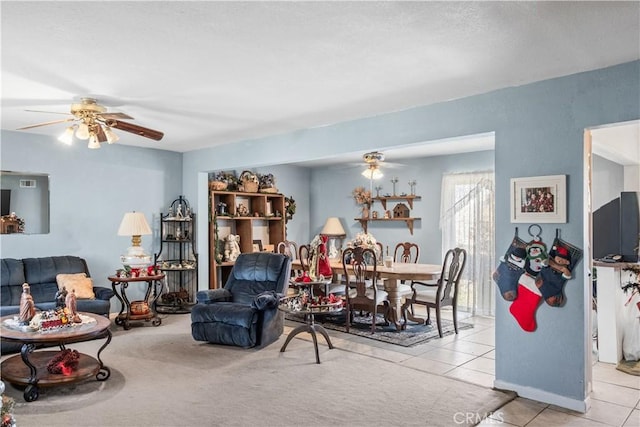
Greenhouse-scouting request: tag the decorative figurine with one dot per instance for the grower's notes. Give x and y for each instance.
(72, 305)
(27, 306)
(232, 247)
(179, 214)
(242, 210)
(61, 297)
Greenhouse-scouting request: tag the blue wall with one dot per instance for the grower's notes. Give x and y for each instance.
(538, 131)
(332, 188)
(90, 190)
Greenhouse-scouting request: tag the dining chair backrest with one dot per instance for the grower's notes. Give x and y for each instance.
(360, 267)
(452, 267)
(288, 248)
(406, 252)
(380, 251)
(304, 254)
(354, 263)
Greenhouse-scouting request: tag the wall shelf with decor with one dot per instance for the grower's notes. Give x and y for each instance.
(251, 216)
(409, 221)
(383, 200)
(364, 221)
(177, 258)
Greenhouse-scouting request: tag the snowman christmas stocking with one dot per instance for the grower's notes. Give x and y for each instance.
(524, 307)
(511, 268)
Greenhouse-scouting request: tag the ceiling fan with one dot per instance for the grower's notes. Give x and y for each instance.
(95, 124)
(373, 160)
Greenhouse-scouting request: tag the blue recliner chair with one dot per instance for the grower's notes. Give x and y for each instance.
(245, 311)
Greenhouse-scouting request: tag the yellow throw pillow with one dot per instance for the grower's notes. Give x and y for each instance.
(82, 284)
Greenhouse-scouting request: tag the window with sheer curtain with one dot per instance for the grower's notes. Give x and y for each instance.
(467, 221)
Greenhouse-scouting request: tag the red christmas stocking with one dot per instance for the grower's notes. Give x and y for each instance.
(526, 303)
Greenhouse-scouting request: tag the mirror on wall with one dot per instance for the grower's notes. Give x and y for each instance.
(24, 204)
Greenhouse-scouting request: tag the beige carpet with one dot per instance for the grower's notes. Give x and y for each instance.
(162, 377)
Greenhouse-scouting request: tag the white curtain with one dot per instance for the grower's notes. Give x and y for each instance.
(467, 221)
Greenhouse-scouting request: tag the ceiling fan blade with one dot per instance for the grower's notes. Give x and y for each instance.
(50, 112)
(138, 130)
(70, 119)
(100, 134)
(115, 116)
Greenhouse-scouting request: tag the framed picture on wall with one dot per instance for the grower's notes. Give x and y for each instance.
(539, 199)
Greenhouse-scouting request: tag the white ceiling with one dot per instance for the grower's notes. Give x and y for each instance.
(208, 73)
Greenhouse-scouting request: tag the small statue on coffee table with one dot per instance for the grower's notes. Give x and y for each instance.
(72, 305)
(61, 297)
(27, 306)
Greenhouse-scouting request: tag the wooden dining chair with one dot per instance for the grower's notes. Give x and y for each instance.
(361, 290)
(290, 249)
(304, 255)
(442, 295)
(406, 252)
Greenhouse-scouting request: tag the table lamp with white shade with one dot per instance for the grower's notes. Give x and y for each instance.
(134, 224)
(334, 230)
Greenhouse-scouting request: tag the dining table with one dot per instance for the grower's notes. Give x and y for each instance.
(394, 284)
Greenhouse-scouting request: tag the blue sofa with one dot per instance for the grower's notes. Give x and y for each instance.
(245, 312)
(40, 274)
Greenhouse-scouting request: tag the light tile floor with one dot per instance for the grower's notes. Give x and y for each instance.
(469, 356)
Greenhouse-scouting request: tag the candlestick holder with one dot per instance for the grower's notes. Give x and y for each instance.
(394, 181)
(412, 185)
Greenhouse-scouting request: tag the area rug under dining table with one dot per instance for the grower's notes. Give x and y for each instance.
(414, 333)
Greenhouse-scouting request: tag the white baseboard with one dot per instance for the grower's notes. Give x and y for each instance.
(545, 396)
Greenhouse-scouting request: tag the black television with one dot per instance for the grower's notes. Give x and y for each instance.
(5, 202)
(616, 228)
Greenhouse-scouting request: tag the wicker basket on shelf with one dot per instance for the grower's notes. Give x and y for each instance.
(217, 185)
(249, 182)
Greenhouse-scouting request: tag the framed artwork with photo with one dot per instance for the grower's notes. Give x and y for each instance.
(257, 246)
(539, 199)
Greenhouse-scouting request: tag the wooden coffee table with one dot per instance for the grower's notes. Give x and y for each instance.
(29, 368)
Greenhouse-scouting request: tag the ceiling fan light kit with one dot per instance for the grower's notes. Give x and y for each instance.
(95, 124)
(373, 160)
(372, 172)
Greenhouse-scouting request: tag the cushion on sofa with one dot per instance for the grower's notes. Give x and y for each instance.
(79, 282)
(43, 271)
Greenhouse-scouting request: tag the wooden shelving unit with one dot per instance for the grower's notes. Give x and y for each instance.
(265, 211)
